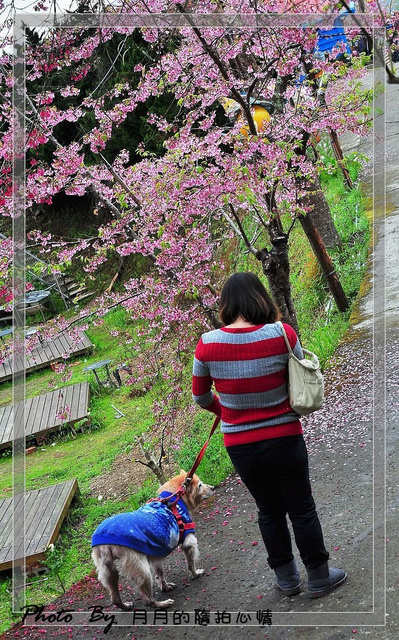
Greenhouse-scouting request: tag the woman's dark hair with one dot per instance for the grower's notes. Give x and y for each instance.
(244, 295)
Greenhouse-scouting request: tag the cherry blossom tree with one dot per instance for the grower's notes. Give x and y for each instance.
(222, 173)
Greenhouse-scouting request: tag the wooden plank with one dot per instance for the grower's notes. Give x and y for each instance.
(65, 344)
(44, 415)
(83, 345)
(54, 416)
(36, 523)
(77, 399)
(86, 341)
(62, 498)
(66, 400)
(30, 410)
(43, 353)
(50, 411)
(6, 372)
(36, 356)
(6, 524)
(31, 362)
(84, 400)
(47, 523)
(33, 425)
(49, 415)
(5, 418)
(18, 419)
(8, 427)
(73, 403)
(10, 418)
(51, 351)
(45, 510)
(6, 507)
(66, 498)
(29, 512)
(30, 509)
(55, 399)
(19, 361)
(58, 404)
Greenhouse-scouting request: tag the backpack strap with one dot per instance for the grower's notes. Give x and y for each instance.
(280, 324)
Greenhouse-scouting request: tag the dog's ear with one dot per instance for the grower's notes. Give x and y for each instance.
(182, 472)
(190, 496)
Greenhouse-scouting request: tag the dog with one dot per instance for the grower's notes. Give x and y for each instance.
(133, 545)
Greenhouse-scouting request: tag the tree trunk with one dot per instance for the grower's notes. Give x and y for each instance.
(320, 212)
(325, 262)
(275, 263)
(276, 267)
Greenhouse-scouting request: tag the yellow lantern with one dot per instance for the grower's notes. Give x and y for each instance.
(261, 118)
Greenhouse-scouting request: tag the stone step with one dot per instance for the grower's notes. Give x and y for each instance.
(79, 298)
(73, 291)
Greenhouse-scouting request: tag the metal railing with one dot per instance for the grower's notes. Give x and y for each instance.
(55, 281)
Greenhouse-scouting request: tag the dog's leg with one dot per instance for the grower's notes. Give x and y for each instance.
(138, 568)
(190, 548)
(148, 598)
(160, 576)
(109, 576)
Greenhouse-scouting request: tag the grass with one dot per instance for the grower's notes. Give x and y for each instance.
(83, 456)
(215, 465)
(91, 453)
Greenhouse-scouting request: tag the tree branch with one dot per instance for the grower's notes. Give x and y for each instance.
(392, 78)
(238, 230)
(244, 104)
(118, 214)
(151, 463)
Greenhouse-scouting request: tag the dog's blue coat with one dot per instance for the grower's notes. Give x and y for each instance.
(152, 529)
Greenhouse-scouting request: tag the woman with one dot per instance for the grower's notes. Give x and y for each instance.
(247, 361)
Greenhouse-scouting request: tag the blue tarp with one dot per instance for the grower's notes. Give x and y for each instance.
(328, 39)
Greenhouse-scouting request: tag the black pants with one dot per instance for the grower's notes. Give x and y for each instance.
(276, 473)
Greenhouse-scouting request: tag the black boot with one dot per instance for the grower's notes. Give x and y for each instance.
(288, 579)
(322, 580)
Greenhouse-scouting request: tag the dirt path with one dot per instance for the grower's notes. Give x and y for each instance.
(346, 442)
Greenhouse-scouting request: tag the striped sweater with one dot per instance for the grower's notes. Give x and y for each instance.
(248, 367)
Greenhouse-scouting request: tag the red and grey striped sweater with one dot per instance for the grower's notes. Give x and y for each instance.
(248, 367)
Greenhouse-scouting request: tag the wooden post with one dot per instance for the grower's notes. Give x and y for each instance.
(340, 158)
(325, 262)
